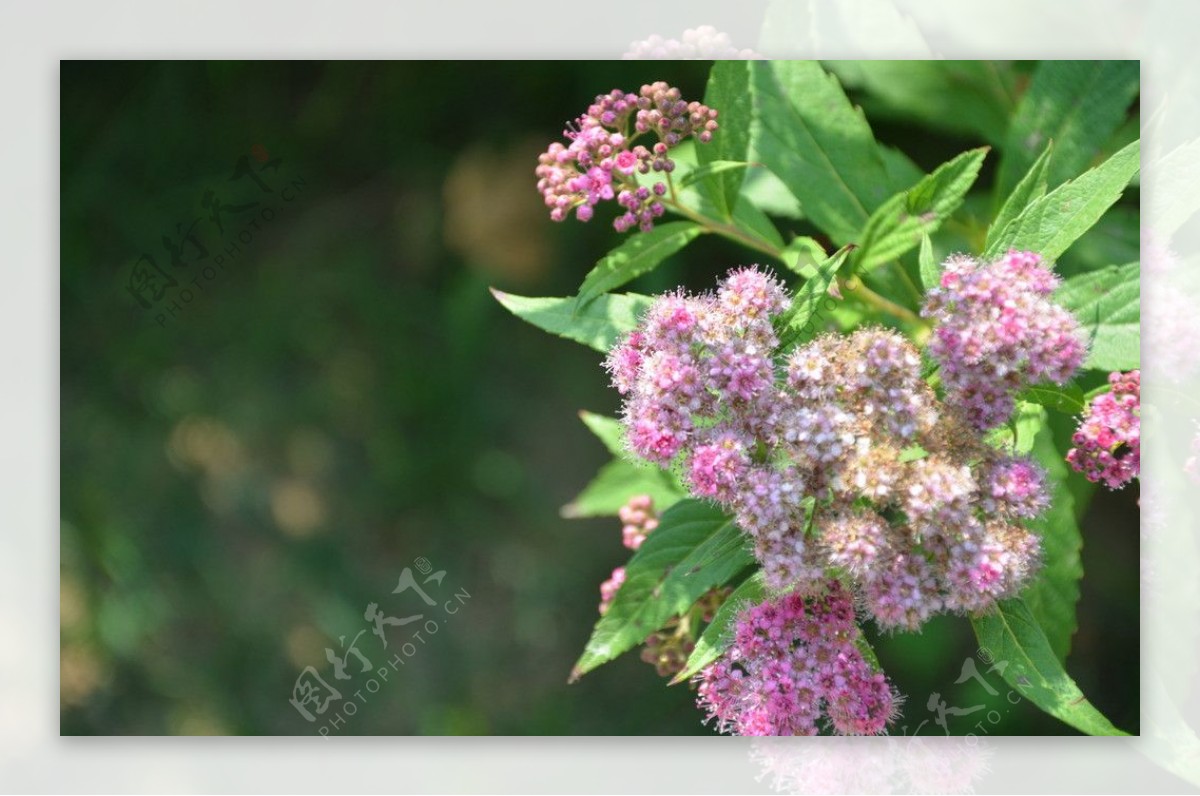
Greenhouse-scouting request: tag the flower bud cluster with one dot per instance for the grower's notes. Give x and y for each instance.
(600, 161)
(668, 649)
(639, 519)
(609, 588)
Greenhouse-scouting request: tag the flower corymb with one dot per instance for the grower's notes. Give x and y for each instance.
(794, 667)
(836, 458)
(602, 159)
(998, 331)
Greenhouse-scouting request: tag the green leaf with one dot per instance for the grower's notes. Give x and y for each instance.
(717, 637)
(729, 92)
(1054, 593)
(972, 97)
(639, 254)
(1031, 188)
(1018, 435)
(750, 219)
(1052, 223)
(931, 274)
(618, 481)
(1115, 238)
(767, 193)
(1077, 104)
(795, 324)
(708, 171)
(1108, 303)
(868, 652)
(747, 216)
(1068, 399)
(598, 325)
(672, 569)
(803, 255)
(911, 454)
(902, 220)
(609, 431)
(806, 131)
(902, 171)
(1011, 637)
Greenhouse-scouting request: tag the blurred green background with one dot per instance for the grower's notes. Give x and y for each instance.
(343, 396)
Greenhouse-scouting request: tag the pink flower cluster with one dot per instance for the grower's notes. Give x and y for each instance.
(693, 357)
(600, 161)
(1108, 442)
(904, 499)
(609, 588)
(638, 520)
(795, 661)
(998, 331)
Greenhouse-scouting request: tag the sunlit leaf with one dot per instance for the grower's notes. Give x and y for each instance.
(639, 254)
(1107, 303)
(598, 325)
(796, 324)
(1031, 188)
(972, 97)
(1052, 223)
(899, 224)
(1018, 434)
(616, 483)
(803, 255)
(807, 132)
(1067, 399)
(931, 274)
(710, 170)
(1011, 638)
(608, 430)
(729, 92)
(1054, 593)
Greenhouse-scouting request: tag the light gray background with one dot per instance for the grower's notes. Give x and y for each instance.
(33, 37)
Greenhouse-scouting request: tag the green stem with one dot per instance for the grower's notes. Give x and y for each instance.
(729, 231)
(872, 299)
(725, 230)
(864, 293)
